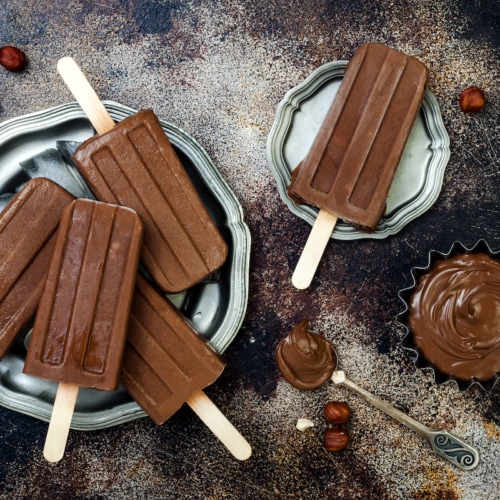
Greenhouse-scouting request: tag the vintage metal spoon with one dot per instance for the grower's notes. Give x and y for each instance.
(308, 360)
(443, 443)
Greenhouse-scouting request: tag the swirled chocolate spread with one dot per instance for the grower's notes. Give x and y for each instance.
(306, 360)
(455, 316)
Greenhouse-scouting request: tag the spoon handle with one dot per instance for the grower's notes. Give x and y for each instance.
(442, 442)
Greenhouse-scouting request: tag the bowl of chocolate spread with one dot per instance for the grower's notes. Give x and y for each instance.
(452, 316)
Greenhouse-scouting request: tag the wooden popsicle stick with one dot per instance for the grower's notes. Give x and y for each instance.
(85, 95)
(313, 249)
(60, 421)
(217, 422)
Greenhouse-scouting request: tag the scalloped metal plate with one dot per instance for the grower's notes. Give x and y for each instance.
(216, 307)
(418, 179)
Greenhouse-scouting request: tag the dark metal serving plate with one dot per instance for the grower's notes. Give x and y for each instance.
(216, 307)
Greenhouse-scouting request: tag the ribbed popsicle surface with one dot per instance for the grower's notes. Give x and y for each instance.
(27, 237)
(165, 360)
(351, 164)
(135, 165)
(80, 327)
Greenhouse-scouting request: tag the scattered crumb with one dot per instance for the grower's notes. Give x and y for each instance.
(303, 424)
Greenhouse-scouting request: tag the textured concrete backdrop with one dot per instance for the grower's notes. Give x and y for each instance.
(218, 69)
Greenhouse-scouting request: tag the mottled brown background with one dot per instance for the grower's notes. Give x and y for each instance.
(218, 69)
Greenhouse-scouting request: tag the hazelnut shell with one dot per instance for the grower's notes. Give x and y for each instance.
(472, 100)
(337, 412)
(335, 439)
(12, 58)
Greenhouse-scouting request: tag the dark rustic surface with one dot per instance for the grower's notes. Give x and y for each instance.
(218, 70)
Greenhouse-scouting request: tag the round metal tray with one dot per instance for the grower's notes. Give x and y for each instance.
(216, 307)
(419, 176)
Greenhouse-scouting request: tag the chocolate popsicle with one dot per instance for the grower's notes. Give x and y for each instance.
(28, 226)
(167, 363)
(133, 164)
(80, 327)
(349, 169)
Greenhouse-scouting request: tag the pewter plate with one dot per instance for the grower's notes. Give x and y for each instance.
(419, 176)
(216, 307)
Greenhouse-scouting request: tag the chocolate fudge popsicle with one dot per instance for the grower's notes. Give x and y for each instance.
(80, 327)
(28, 226)
(133, 164)
(167, 363)
(165, 360)
(349, 169)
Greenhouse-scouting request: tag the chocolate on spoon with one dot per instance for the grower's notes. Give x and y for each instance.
(308, 360)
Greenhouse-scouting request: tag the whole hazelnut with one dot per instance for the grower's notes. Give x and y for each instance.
(472, 100)
(335, 439)
(11, 58)
(337, 412)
